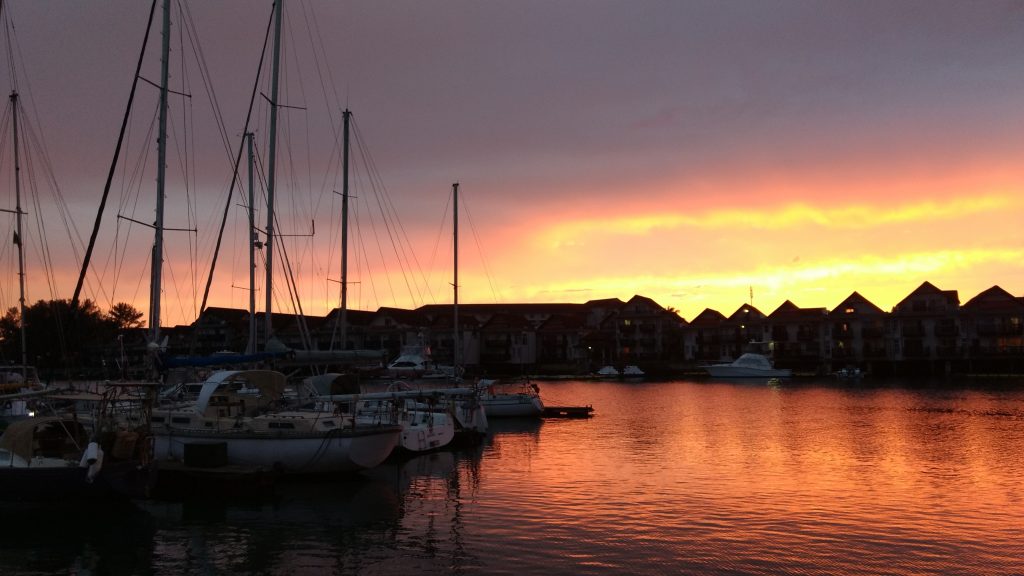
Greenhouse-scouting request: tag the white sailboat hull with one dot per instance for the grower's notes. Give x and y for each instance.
(425, 431)
(512, 405)
(344, 451)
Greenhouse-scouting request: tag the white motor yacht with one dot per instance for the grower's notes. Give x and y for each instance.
(749, 365)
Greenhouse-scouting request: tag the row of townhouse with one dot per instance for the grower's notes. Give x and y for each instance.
(492, 338)
(928, 332)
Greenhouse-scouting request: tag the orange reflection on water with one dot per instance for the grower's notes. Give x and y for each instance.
(738, 476)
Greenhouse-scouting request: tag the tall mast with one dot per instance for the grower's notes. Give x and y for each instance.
(18, 233)
(161, 175)
(251, 347)
(347, 115)
(455, 279)
(271, 172)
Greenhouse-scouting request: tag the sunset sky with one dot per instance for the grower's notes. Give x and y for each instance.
(690, 151)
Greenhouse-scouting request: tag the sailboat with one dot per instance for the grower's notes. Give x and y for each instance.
(239, 415)
(88, 446)
(244, 415)
(492, 400)
(427, 420)
(23, 378)
(521, 399)
(471, 414)
(82, 449)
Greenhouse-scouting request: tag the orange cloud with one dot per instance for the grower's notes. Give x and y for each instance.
(822, 283)
(793, 215)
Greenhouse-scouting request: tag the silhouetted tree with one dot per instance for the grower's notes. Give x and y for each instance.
(62, 340)
(124, 315)
(10, 336)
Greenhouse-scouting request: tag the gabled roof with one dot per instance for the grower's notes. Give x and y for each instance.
(791, 312)
(353, 317)
(638, 301)
(227, 314)
(995, 299)
(859, 305)
(401, 315)
(604, 303)
(708, 317)
(215, 316)
(928, 289)
(745, 313)
(674, 315)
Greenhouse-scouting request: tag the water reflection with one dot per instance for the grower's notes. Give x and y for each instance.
(80, 539)
(671, 477)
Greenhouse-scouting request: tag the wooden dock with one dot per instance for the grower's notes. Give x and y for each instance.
(568, 411)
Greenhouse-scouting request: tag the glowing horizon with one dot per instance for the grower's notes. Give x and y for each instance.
(803, 170)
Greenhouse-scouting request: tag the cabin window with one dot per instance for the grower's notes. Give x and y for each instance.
(158, 419)
(180, 420)
(281, 425)
(209, 424)
(330, 424)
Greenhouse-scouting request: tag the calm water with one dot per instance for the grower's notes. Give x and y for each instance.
(667, 478)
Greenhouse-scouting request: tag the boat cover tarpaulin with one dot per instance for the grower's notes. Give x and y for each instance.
(19, 436)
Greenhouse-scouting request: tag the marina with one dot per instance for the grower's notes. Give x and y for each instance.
(682, 477)
(614, 399)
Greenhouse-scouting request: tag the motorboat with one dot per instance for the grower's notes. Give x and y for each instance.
(415, 362)
(749, 365)
(608, 371)
(244, 415)
(504, 400)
